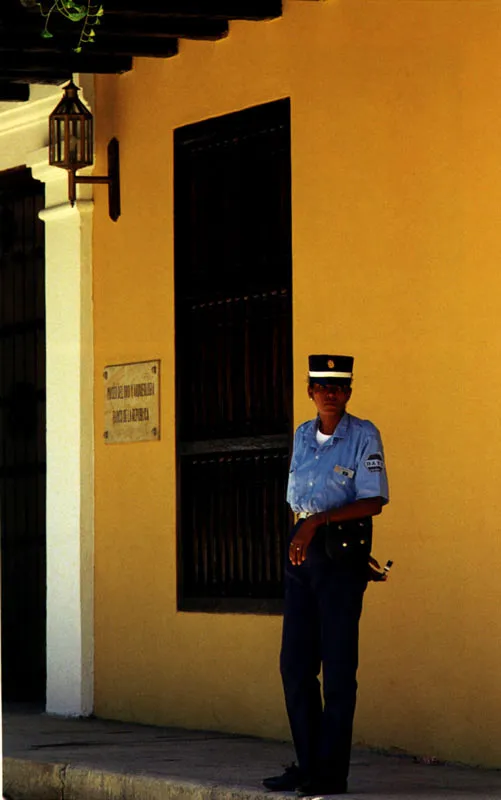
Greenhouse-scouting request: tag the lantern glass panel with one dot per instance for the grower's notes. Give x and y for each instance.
(59, 138)
(56, 141)
(74, 141)
(89, 141)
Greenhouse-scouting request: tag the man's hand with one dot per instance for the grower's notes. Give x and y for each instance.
(302, 538)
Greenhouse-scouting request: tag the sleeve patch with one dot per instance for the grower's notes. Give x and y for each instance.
(374, 462)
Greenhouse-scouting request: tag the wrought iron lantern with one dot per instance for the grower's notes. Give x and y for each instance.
(71, 147)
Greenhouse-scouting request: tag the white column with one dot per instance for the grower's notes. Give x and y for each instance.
(70, 443)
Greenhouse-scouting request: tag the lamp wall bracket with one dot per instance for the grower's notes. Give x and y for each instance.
(112, 179)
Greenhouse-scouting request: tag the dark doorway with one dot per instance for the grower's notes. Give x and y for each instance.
(22, 437)
(233, 357)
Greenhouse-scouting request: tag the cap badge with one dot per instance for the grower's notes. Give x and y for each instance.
(330, 363)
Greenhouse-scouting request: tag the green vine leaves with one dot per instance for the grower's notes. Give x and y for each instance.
(85, 12)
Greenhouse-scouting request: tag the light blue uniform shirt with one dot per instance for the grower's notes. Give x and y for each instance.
(349, 466)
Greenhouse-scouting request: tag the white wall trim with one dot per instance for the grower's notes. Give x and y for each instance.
(70, 428)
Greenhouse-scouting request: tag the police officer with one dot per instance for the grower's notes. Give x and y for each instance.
(337, 475)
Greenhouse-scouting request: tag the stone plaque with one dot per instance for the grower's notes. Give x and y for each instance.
(132, 402)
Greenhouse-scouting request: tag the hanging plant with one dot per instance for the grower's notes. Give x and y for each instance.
(83, 12)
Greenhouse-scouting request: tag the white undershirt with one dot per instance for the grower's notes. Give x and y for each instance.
(322, 437)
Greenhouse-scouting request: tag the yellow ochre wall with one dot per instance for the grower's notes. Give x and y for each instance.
(396, 220)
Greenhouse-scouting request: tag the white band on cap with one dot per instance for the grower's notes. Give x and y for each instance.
(330, 374)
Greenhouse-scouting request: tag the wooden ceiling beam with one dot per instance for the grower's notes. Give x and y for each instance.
(203, 9)
(104, 43)
(14, 91)
(64, 64)
(135, 46)
(27, 33)
(43, 76)
(160, 25)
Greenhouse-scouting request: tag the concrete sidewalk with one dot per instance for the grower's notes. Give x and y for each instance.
(48, 758)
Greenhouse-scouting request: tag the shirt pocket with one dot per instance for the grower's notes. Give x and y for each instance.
(341, 483)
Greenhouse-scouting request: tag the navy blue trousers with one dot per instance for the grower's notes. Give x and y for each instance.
(323, 603)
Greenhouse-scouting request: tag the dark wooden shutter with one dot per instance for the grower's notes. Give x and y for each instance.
(22, 436)
(233, 356)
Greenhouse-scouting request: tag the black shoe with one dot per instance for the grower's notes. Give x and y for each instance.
(287, 782)
(321, 786)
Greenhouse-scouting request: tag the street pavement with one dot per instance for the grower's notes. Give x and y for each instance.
(51, 758)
